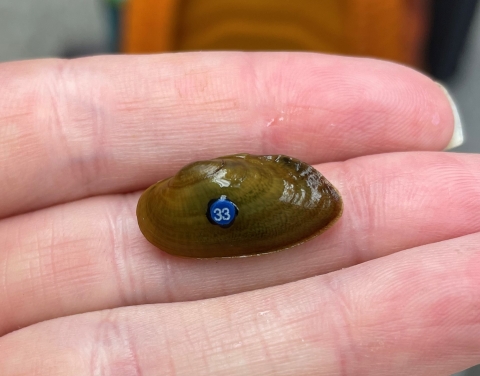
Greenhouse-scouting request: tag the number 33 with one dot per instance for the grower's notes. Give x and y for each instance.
(221, 214)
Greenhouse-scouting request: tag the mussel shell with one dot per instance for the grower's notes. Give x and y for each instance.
(281, 202)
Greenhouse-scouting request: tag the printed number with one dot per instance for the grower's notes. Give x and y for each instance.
(221, 214)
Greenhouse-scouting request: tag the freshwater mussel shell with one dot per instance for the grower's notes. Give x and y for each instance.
(281, 202)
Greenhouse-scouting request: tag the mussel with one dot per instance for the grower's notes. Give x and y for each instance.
(238, 205)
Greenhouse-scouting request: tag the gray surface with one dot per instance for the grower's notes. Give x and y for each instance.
(465, 88)
(49, 28)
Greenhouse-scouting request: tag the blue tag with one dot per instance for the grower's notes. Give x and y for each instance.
(222, 211)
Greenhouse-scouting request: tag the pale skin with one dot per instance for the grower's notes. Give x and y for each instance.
(392, 289)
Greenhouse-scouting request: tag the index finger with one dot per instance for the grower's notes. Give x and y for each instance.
(72, 129)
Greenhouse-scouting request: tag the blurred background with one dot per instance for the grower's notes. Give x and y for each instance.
(438, 37)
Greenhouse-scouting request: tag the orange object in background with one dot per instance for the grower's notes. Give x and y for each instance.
(388, 29)
(149, 26)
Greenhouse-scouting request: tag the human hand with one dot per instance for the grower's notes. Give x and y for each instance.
(393, 287)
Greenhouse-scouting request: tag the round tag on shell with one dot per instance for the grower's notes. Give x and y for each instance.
(222, 212)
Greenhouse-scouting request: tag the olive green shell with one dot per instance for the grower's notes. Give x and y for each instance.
(281, 202)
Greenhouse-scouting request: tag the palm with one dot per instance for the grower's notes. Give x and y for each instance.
(78, 136)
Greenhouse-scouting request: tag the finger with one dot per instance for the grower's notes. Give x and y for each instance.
(415, 311)
(59, 261)
(72, 129)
